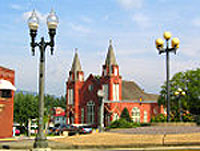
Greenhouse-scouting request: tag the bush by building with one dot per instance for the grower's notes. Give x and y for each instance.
(122, 123)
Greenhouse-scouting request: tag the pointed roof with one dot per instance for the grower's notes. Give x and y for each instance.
(76, 65)
(110, 59)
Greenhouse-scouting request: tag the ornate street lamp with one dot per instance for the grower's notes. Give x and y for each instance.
(167, 50)
(100, 95)
(180, 93)
(33, 23)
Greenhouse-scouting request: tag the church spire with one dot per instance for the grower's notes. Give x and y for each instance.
(110, 59)
(76, 65)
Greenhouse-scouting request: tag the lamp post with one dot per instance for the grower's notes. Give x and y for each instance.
(100, 94)
(180, 93)
(167, 50)
(33, 23)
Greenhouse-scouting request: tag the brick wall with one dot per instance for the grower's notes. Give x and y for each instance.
(6, 105)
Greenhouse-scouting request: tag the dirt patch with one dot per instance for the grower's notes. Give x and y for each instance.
(111, 139)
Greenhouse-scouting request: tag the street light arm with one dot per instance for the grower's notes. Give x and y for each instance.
(33, 34)
(172, 50)
(52, 33)
(164, 50)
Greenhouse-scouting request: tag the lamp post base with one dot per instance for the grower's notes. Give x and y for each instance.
(41, 149)
(40, 143)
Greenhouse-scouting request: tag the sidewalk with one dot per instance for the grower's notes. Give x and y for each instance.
(108, 140)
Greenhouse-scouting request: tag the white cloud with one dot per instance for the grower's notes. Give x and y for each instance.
(42, 17)
(196, 22)
(86, 19)
(189, 47)
(79, 28)
(16, 7)
(106, 17)
(129, 4)
(141, 20)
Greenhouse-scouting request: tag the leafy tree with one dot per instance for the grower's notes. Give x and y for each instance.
(25, 107)
(125, 115)
(189, 81)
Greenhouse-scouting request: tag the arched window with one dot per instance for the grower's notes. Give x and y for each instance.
(115, 117)
(90, 112)
(145, 116)
(136, 114)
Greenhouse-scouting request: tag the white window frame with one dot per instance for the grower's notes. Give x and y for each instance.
(115, 91)
(70, 96)
(105, 90)
(115, 71)
(90, 112)
(136, 114)
(115, 117)
(145, 116)
(80, 77)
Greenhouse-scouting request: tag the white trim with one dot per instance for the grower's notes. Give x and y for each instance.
(6, 85)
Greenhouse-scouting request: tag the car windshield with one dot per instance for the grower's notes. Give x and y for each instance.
(87, 127)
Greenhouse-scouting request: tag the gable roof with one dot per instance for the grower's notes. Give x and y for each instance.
(131, 91)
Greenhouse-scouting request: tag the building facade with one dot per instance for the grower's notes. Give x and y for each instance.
(7, 78)
(58, 117)
(83, 102)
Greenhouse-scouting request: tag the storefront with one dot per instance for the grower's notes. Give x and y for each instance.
(7, 89)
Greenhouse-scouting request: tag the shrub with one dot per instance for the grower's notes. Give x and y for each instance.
(125, 115)
(159, 118)
(187, 117)
(122, 123)
(197, 119)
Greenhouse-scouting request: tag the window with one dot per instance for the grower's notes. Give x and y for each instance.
(105, 90)
(105, 71)
(90, 112)
(82, 115)
(115, 71)
(115, 91)
(70, 96)
(115, 117)
(145, 116)
(80, 77)
(136, 114)
(90, 87)
(70, 77)
(5, 94)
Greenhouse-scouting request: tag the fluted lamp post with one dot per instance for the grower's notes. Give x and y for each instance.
(33, 23)
(100, 95)
(167, 50)
(179, 93)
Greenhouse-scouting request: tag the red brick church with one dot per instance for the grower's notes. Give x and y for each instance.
(83, 106)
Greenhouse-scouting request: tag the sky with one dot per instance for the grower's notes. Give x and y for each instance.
(133, 26)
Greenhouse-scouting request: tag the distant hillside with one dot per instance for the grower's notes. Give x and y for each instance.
(26, 92)
(33, 93)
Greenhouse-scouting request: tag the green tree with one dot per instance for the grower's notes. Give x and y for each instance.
(189, 81)
(25, 107)
(125, 115)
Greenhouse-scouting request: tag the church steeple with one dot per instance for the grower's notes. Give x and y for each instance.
(76, 72)
(110, 59)
(76, 65)
(110, 68)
